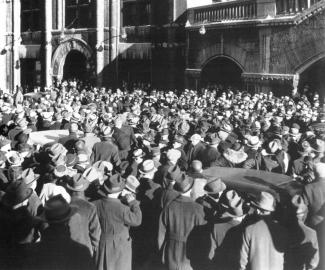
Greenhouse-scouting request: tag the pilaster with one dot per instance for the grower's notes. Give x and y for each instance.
(15, 44)
(48, 43)
(100, 41)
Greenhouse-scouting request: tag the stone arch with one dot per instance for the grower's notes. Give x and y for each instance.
(230, 51)
(222, 56)
(309, 62)
(60, 54)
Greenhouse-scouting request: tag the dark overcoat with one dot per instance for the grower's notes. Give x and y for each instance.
(177, 222)
(115, 245)
(105, 151)
(86, 229)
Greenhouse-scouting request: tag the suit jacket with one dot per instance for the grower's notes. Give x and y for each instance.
(124, 137)
(177, 226)
(105, 151)
(114, 252)
(263, 245)
(85, 230)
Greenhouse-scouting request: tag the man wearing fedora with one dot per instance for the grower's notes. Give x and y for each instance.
(179, 220)
(86, 229)
(264, 241)
(178, 144)
(106, 150)
(210, 201)
(116, 216)
(149, 195)
(18, 227)
(57, 250)
(211, 152)
(225, 232)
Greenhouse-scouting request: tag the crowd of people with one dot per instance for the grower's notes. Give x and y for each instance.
(118, 191)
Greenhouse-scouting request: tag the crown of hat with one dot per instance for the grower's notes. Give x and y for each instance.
(265, 201)
(132, 183)
(57, 149)
(184, 183)
(215, 186)
(173, 154)
(253, 140)
(57, 209)
(114, 183)
(16, 193)
(147, 166)
(173, 173)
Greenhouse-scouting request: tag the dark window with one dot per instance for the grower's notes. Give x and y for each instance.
(30, 15)
(80, 14)
(129, 14)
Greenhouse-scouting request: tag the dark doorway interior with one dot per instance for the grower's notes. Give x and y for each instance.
(314, 78)
(221, 71)
(75, 66)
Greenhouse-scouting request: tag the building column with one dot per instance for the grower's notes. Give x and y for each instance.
(3, 40)
(48, 43)
(100, 42)
(115, 36)
(16, 41)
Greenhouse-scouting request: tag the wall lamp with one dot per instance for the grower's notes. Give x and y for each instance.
(101, 45)
(202, 29)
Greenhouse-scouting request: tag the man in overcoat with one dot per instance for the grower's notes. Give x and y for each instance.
(86, 228)
(264, 241)
(115, 217)
(106, 150)
(178, 221)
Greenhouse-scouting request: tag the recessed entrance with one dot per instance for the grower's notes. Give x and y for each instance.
(75, 66)
(314, 77)
(221, 71)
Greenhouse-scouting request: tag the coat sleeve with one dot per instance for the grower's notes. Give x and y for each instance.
(132, 215)
(244, 251)
(94, 230)
(162, 229)
(116, 158)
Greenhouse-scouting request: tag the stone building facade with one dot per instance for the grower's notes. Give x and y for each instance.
(107, 41)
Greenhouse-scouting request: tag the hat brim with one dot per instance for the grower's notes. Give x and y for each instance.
(72, 211)
(186, 189)
(145, 173)
(6, 199)
(83, 187)
(254, 204)
(222, 188)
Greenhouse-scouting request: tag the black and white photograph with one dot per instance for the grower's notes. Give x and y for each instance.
(162, 135)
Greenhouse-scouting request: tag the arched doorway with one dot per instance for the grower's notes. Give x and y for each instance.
(75, 66)
(72, 54)
(313, 78)
(221, 72)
